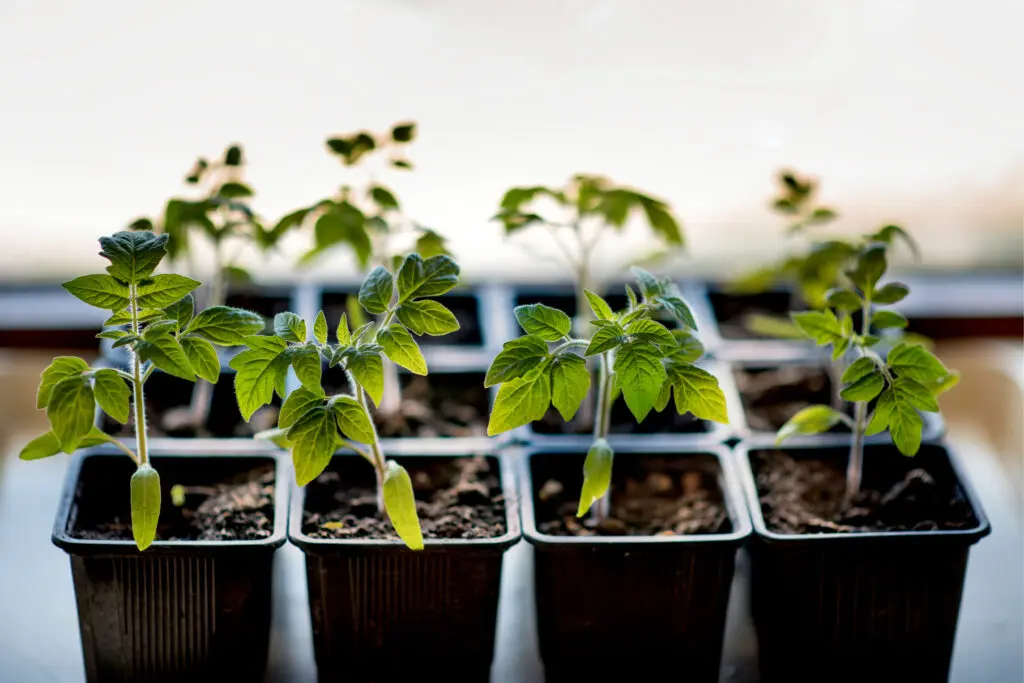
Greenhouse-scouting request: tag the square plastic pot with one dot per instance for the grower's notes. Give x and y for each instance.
(632, 607)
(934, 426)
(383, 612)
(180, 610)
(859, 606)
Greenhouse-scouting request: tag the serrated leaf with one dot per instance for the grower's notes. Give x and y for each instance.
(679, 309)
(426, 316)
(290, 327)
(651, 331)
(600, 307)
(113, 394)
(570, 383)
(365, 364)
(166, 353)
(890, 293)
(917, 394)
(101, 291)
(597, 475)
(640, 373)
(697, 392)
(688, 347)
(516, 358)
(258, 371)
(352, 419)
(160, 328)
(314, 439)
(297, 403)
(59, 369)
(112, 334)
(43, 446)
(145, 498)
(400, 503)
(821, 326)
(915, 362)
(605, 339)
(650, 286)
(133, 255)
(164, 290)
(865, 387)
(125, 341)
(884, 319)
(433, 277)
(71, 410)
(320, 328)
(181, 311)
(376, 291)
(125, 317)
(306, 362)
(895, 409)
(225, 326)
(401, 348)
(202, 357)
(550, 324)
(810, 420)
(519, 402)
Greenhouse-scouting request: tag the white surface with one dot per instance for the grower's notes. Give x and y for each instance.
(910, 110)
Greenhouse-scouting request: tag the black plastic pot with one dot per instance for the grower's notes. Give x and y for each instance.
(180, 610)
(860, 606)
(934, 425)
(383, 612)
(632, 607)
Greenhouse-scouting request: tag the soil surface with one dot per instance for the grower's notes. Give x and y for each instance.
(650, 503)
(771, 396)
(466, 308)
(805, 496)
(238, 510)
(455, 498)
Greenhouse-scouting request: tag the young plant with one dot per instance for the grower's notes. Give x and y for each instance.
(638, 355)
(313, 425)
(907, 380)
(153, 317)
(221, 214)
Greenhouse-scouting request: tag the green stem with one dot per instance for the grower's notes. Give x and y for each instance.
(137, 382)
(602, 424)
(375, 449)
(855, 466)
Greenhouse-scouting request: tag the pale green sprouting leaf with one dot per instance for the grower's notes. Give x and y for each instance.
(675, 305)
(101, 291)
(605, 339)
(890, 293)
(133, 254)
(277, 436)
(640, 373)
(59, 369)
(163, 290)
(631, 297)
(883, 319)
(433, 277)
(916, 362)
(600, 307)
(570, 383)
(365, 364)
(202, 357)
(650, 286)
(400, 503)
(426, 316)
(343, 334)
(178, 495)
(664, 396)
(839, 347)
(773, 326)
(259, 369)
(821, 326)
(297, 403)
(597, 475)
(225, 326)
(71, 411)
(377, 290)
(697, 392)
(401, 348)
(520, 401)
(145, 497)
(306, 362)
(314, 439)
(550, 324)
(516, 358)
(165, 352)
(353, 421)
(113, 394)
(651, 331)
(43, 446)
(320, 328)
(810, 420)
(181, 311)
(290, 327)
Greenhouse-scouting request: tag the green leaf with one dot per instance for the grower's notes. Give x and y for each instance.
(352, 419)
(403, 132)
(160, 328)
(631, 297)
(600, 307)
(377, 290)
(259, 369)
(124, 341)
(916, 393)
(916, 362)
(320, 328)
(943, 384)
(570, 382)
(418, 278)
(343, 224)
(862, 381)
(883, 319)
(125, 317)
(516, 358)
(895, 410)
(383, 197)
(101, 291)
(843, 299)
(400, 504)
(145, 487)
(343, 334)
(821, 326)
(597, 475)
(233, 190)
(698, 392)
(810, 420)
(202, 357)
(688, 347)
(71, 411)
(164, 290)
(821, 215)
(773, 326)
(431, 243)
(112, 334)
(289, 221)
(290, 327)
(520, 401)
(664, 396)
(59, 369)
(651, 331)
(366, 366)
(677, 307)
(400, 347)
(870, 267)
(426, 316)
(277, 436)
(225, 326)
(166, 353)
(839, 347)
(314, 439)
(306, 362)
(889, 233)
(605, 339)
(133, 255)
(297, 404)
(550, 324)
(650, 286)
(891, 293)
(113, 394)
(181, 311)
(640, 373)
(662, 222)
(42, 446)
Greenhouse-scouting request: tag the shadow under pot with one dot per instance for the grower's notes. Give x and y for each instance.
(465, 304)
(446, 404)
(169, 410)
(196, 604)
(865, 591)
(771, 394)
(382, 612)
(614, 601)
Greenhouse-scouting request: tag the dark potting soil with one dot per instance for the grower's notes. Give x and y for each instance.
(455, 498)
(806, 496)
(771, 396)
(466, 308)
(239, 509)
(447, 404)
(661, 498)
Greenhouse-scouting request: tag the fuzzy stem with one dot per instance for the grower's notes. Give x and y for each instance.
(602, 423)
(855, 466)
(375, 449)
(138, 396)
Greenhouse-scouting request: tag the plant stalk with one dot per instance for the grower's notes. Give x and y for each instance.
(602, 423)
(138, 396)
(855, 466)
(376, 451)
